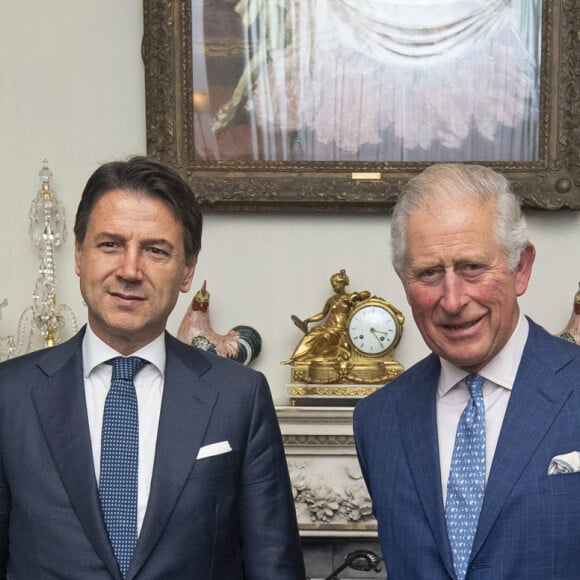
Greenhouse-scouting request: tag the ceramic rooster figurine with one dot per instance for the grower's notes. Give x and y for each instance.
(241, 343)
(571, 331)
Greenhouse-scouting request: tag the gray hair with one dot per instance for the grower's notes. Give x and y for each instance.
(450, 182)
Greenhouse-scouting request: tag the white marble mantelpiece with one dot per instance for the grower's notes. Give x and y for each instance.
(330, 495)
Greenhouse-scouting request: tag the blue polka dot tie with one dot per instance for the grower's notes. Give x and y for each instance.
(466, 484)
(120, 459)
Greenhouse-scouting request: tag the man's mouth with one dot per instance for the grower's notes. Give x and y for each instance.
(127, 297)
(463, 326)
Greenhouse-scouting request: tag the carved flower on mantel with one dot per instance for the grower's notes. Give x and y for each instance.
(356, 504)
(299, 482)
(324, 502)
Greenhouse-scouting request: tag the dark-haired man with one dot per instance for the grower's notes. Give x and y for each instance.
(125, 453)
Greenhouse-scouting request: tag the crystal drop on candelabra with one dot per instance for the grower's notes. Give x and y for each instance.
(45, 173)
(47, 215)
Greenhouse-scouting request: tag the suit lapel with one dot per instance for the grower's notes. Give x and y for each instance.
(186, 409)
(62, 413)
(537, 397)
(418, 427)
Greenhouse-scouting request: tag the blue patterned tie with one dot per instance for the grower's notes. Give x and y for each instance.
(466, 484)
(120, 458)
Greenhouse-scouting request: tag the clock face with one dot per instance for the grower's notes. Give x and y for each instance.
(373, 330)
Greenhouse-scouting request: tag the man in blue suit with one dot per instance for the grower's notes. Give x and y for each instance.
(500, 501)
(210, 497)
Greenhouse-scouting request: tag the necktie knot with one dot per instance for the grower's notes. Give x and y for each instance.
(475, 385)
(125, 368)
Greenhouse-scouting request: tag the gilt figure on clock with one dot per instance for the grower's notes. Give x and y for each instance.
(352, 344)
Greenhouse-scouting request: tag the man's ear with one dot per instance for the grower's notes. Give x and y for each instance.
(524, 268)
(78, 250)
(188, 272)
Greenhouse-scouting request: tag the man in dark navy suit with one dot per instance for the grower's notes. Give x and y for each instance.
(213, 498)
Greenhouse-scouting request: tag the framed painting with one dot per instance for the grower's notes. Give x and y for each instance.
(296, 105)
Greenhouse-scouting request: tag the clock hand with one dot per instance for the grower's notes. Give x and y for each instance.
(377, 332)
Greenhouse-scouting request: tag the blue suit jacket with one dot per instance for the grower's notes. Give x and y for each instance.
(229, 516)
(529, 527)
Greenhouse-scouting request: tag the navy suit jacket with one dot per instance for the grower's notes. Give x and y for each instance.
(226, 517)
(529, 526)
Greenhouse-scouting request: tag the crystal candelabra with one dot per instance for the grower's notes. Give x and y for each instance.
(45, 319)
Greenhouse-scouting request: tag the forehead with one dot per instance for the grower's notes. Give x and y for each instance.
(130, 199)
(126, 209)
(444, 232)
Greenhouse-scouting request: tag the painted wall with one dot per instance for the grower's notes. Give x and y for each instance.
(72, 91)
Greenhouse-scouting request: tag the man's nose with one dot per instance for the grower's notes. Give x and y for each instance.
(453, 296)
(130, 265)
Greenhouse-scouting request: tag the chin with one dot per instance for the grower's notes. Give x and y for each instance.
(125, 328)
(464, 361)
(469, 364)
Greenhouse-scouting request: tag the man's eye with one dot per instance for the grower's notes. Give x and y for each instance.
(158, 251)
(471, 269)
(429, 274)
(109, 245)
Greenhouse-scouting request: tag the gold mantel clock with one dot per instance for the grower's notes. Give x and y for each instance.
(351, 347)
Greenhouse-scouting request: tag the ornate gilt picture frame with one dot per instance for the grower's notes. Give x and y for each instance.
(550, 181)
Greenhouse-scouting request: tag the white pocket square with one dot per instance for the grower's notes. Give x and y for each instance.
(566, 463)
(214, 449)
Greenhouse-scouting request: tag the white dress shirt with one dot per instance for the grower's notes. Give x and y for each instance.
(149, 389)
(452, 396)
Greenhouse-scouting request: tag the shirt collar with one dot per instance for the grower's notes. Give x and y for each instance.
(96, 352)
(501, 370)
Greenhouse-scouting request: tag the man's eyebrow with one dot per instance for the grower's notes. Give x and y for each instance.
(426, 266)
(108, 236)
(156, 242)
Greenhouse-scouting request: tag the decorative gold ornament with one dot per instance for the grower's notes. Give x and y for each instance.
(571, 331)
(354, 342)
